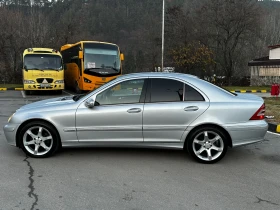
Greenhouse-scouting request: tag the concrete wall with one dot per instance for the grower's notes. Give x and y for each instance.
(264, 75)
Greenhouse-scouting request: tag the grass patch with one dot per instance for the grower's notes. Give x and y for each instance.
(11, 85)
(247, 88)
(272, 108)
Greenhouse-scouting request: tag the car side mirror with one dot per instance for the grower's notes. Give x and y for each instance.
(90, 103)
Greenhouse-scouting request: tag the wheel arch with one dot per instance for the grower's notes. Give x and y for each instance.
(32, 120)
(229, 139)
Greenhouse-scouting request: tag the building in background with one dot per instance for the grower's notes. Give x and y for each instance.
(266, 70)
(165, 69)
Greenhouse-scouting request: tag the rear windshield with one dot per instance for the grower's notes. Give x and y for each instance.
(221, 88)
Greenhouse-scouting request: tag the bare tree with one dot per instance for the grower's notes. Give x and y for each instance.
(225, 23)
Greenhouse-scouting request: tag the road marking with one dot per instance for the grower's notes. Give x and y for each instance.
(23, 94)
(68, 93)
(273, 133)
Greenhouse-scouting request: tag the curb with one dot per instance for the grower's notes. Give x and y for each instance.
(273, 127)
(4, 89)
(250, 91)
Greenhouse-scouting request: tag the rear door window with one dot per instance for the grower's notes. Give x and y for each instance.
(166, 90)
(192, 95)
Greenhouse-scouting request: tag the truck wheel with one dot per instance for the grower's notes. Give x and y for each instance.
(77, 89)
(59, 92)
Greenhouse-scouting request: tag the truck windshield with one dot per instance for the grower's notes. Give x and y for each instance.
(42, 62)
(101, 59)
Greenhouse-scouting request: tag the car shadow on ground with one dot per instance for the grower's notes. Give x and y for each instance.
(239, 155)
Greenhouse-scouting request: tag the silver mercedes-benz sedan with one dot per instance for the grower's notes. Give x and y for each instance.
(164, 110)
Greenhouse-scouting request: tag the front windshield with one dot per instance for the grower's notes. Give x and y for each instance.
(101, 59)
(42, 62)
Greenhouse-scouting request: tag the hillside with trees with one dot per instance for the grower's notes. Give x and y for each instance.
(202, 37)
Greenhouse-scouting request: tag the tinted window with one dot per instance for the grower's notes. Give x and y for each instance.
(192, 95)
(122, 93)
(166, 90)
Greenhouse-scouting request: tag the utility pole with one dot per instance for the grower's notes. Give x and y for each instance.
(162, 49)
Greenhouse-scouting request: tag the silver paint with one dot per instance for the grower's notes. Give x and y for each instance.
(165, 124)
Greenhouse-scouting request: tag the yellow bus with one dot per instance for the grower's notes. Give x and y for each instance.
(42, 70)
(90, 64)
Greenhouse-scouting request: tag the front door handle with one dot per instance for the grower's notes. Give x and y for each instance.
(191, 108)
(134, 110)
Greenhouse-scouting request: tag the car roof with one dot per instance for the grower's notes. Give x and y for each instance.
(159, 74)
(214, 92)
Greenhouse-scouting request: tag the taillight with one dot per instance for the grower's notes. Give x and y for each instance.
(259, 115)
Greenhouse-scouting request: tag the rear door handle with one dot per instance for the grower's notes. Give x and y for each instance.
(191, 108)
(134, 110)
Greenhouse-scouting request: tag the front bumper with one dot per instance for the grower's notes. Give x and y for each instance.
(10, 133)
(37, 86)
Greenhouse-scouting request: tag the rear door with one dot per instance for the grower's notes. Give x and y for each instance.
(170, 107)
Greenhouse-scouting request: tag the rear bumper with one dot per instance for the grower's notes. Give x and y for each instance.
(247, 133)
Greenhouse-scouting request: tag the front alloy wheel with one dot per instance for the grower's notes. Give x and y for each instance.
(207, 145)
(39, 139)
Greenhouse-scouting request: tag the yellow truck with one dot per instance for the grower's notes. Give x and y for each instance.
(42, 70)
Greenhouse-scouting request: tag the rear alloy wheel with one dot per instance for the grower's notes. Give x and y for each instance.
(207, 145)
(39, 139)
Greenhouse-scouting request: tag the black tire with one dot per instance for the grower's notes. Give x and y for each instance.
(209, 148)
(27, 92)
(59, 92)
(66, 86)
(77, 89)
(28, 142)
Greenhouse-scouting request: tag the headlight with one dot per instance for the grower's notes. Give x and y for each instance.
(29, 81)
(10, 117)
(87, 80)
(59, 81)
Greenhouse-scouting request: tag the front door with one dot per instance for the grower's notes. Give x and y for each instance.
(117, 115)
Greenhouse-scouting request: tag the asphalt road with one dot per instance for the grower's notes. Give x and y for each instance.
(247, 178)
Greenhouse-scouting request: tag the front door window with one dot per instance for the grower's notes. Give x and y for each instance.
(127, 92)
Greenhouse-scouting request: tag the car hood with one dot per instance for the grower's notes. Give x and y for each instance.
(48, 103)
(249, 96)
